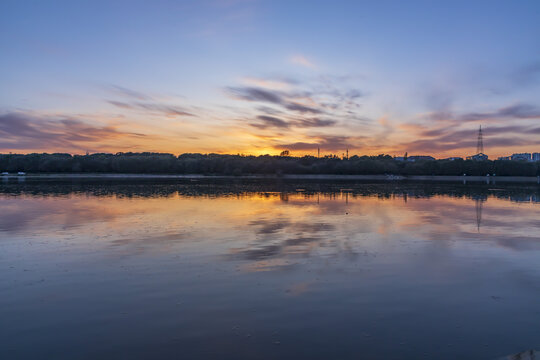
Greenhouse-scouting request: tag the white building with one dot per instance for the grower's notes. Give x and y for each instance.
(478, 157)
(521, 157)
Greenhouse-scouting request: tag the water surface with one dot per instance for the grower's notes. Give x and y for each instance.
(243, 269)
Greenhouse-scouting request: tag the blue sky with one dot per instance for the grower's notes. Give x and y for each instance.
(262, 76)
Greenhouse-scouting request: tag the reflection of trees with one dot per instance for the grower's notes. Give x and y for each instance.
(313, 189)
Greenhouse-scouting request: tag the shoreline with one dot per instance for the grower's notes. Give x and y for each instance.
(393, 178)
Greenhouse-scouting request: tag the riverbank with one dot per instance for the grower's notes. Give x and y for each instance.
(326, 177)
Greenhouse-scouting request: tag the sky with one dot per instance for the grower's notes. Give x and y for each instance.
(260, 76)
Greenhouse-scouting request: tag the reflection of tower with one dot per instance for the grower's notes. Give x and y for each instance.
(480, 142)
(478, 204)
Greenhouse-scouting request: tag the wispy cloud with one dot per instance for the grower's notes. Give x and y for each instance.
(125, 92)
(321, 97)
(301, 60)
(156, 108)
(138, 101)
(272, 84)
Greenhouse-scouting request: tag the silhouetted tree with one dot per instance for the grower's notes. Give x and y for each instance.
(216, 164)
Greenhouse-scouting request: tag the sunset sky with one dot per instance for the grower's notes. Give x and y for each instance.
(261, 76)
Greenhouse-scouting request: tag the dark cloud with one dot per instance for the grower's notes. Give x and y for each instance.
(455, 141)
(302, 108)
(450, 133)
(303, 104)
(269, 110)
(285, 100)
(299, 146)
(330, 143)
(256, 94)
(449, 138)
(270, 121)
(315, 122)
(24, 131)
(518, 111)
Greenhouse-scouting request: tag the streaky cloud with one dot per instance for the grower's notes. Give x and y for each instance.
(302, 108)
(26, 131)
(327, 143)
(167, 110)
(256, 94)
(270, 121)
(129, 93)
(517, 111)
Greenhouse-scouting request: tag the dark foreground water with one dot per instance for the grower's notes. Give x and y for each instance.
(267, 270)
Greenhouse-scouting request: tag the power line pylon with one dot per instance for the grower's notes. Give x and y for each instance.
(480, 143)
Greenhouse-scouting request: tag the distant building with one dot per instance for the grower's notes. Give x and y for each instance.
(420, 158)
(504, 158)
(453, 158)
(536, 157)
(414, 158)
(521, 157)
(478, 157)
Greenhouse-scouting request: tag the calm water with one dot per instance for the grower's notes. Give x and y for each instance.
(267, 270)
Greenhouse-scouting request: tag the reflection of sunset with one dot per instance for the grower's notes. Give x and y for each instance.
(268, 229)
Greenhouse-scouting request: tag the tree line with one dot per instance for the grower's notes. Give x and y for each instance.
(217, 164)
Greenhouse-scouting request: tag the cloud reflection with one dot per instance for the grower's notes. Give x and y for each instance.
(267, 230)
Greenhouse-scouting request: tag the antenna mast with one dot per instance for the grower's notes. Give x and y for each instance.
(480, 143)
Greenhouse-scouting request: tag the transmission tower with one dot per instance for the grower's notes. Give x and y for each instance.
(480, 143)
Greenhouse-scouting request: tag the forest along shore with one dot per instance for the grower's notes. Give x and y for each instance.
(485, 179)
